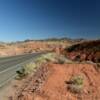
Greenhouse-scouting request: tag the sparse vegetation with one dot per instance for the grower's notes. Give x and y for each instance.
(48, 75)
(75, 84)
(32, 66)
(62, 60)
(26, 69)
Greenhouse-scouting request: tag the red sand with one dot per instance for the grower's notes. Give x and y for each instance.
(49, 83)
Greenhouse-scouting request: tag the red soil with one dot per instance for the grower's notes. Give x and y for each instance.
(49, 83)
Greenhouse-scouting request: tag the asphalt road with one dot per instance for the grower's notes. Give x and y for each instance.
(9, 66)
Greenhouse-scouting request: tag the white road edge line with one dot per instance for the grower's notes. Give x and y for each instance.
(16, 65)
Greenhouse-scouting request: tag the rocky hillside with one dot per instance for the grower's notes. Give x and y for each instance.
(84, 51)
(18, 48)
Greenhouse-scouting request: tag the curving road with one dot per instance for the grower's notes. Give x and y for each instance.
(9, 66)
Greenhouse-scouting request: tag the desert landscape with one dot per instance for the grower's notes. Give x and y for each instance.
(68, 72)
(32, 46)
(49, 49)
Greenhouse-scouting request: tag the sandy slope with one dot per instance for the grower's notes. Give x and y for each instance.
(49, 83)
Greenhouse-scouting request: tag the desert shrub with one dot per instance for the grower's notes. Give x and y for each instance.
(78, 80)
(31, 67)
(26, 69)
(62, 60)
(46, 57)
(75, 84)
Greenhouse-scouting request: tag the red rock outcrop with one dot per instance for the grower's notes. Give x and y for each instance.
(85, 51)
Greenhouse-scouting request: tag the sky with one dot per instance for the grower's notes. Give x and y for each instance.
(40, 19)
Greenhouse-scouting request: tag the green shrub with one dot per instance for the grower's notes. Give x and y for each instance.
(78, 80)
